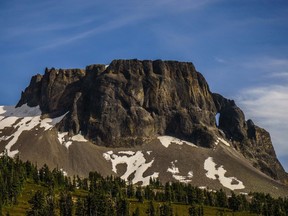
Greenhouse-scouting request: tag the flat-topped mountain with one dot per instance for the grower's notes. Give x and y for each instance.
(82, 117)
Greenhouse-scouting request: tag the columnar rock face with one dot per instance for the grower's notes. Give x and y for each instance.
(131, 101)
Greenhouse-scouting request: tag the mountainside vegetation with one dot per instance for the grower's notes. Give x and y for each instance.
(29, 190)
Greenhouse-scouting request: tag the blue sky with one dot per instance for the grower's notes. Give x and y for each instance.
(240, 46)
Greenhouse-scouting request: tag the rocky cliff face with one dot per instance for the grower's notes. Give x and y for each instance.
(131, 101)
(252, 141)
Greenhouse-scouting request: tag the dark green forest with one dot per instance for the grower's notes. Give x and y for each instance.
(29, 190)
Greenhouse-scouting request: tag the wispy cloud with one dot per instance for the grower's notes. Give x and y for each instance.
(267, 63)
(44, 18)
(109, 26)
(279, 75)
(220, 60)
(134, 13)
(267, 102)
(268, 106)
(270, 103)
(29, 29)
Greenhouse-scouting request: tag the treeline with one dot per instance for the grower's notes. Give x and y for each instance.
(13, 174)
(96, 195)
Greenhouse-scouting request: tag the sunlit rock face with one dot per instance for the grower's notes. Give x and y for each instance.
(131, 102)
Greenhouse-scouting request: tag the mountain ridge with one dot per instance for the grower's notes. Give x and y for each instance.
(128, 104)
(129, 77)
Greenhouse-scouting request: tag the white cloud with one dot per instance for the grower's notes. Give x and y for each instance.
(37, 28)
(220, 60)
(268, 107)
(267, 64)
(266, 101)
(279, 75)
(40, 18)
(111, 25)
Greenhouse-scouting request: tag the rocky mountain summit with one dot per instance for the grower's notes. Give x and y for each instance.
(131, 101)
(140, 120)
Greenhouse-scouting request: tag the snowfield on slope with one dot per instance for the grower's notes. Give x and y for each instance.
(175, 173)
(221, 140)
(22, 119)
(219, 173)
(168, 140)
(136, 165)
(65, 140)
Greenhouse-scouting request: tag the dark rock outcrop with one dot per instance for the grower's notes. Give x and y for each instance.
(54, 92)
(127, 102)
(252, 141)
(131, 101)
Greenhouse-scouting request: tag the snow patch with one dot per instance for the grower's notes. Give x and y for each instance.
(224, 141)
(63, 141)
(78, 138)
(61, 136)
(27, 118)
(175, 171)
(136, 164)
(126, 152)
(68, 141)
(243, 193)
(7, 122)
(168, 140)
(4, 138)
(219, 173)
(221, 140)
(181, 179)
(149, 152)
(67, 144)
(2, 110)
(64, 172)
(107, 155)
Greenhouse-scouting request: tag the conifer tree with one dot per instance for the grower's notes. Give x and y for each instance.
(139, 195)
(65, 203)
(151, 209)
(50, 202)
(193, 210)
(166, 210)
(233, 202)
(130, 189)
(80, 207)
(148, 193)
(221, 199)
(137, 212)
(122, 207)
(168, 192)
(38, 207)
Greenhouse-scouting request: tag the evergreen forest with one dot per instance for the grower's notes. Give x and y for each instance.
(38, 191)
